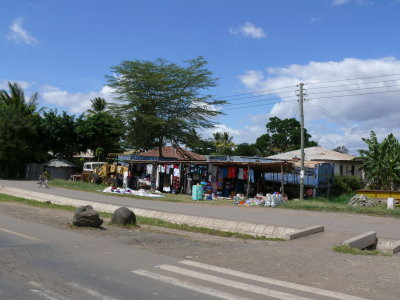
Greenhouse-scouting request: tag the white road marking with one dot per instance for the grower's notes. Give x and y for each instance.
(188, 285)
(272, 281)
(19, 234)
(233, 284)
(46, 293)
(89, 291)
(42, 294)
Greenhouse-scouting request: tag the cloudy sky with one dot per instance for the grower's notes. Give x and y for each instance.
(346, 52)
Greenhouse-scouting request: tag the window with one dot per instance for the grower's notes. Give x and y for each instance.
(341, 169)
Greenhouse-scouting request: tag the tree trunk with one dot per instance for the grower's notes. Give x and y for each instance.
(160, 147)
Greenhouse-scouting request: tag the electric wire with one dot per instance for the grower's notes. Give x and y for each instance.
(261, 100)
(338, 96)
(329, 115)
(366, 88)
(266, 104)
(255, 92)
(319, 82)
(358, 83)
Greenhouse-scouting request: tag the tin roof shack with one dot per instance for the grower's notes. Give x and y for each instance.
(343, 164)
(222, 178)
(61, 169)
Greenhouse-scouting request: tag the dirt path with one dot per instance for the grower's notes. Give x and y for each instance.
(308, 261)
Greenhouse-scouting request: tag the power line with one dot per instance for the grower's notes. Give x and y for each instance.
(262, 100)
(331, 116)
(383, 92)
(366, 88)
(255, 92)
(330, 86)
(267, 104)
(319, 82)
(255, 96)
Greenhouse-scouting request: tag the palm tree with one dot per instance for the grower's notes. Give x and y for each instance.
(20, 131)
(223, 143)
(16, 98)
(99, 105)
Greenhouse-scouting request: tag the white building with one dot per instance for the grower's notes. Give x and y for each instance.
(344, 164)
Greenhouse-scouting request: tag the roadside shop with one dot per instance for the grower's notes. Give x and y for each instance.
(222, 179)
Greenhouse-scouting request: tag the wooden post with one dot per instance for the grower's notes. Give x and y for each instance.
(248, 181)
(282, 181)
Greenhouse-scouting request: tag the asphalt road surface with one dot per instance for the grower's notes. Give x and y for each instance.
(340, 222)
(42, 262)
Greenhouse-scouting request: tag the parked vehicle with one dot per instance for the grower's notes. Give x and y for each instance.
(102, 172)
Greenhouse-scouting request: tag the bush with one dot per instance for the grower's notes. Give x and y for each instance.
(346, 185)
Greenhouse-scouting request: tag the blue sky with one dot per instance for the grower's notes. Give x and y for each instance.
(64, 49)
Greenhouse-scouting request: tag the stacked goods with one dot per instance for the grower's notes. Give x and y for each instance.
(197, 192)
(362, 200)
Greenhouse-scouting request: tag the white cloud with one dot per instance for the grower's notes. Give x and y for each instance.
(315, 19)
(248, 134)
(358, 2)
(339, 2)
(22, 84)
(354, 115)
(73, 102)
(19, 35)
(248, 30)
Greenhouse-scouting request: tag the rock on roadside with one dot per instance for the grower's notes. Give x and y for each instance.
(86, 216)
(123, 216)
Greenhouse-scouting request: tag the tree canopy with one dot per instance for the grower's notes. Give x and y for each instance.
(162, 102)
(285, 135)
(20, 131)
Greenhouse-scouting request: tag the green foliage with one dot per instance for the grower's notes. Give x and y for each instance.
(381, 162)
(246, 149)
(199, 145)
(224, 144)
(101, 130)
(20, 132)
(356, 251)
(61, 136)
(263, 145)
(98, 105)
(346, 185)
(341, 149)
(285, 135)
(162, 102)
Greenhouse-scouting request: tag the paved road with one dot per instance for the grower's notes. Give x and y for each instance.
(341, 222)
(42, 262)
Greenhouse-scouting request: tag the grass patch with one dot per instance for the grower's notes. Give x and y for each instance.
(7, 198)
(339, 204)
(355, 251)
(184, 227)
(98, 188)
(140, 220)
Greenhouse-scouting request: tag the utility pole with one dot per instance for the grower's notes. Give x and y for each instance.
(301, 99)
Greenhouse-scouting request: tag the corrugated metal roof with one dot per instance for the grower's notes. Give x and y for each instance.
(314, 153)
(59, 162)
(174, 152)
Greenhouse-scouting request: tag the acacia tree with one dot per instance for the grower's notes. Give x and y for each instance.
(381, 162)
(163, 102)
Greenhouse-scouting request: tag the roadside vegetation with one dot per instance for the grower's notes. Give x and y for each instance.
(340, 204)
(139, 220)
(355, 251)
